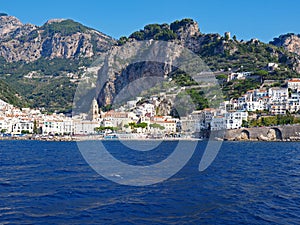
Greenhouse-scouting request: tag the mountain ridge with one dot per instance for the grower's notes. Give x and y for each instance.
(61, 49)
(57, 38)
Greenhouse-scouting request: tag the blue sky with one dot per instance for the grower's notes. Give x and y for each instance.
(262, 19)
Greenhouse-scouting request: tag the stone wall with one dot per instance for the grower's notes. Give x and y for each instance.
(275, 133)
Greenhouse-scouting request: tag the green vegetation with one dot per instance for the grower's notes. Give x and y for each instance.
(253, 56)
(54, 91)
(273, 121)
(53, 67)
(32, 35)
(155, 125)
(10, 95)
(183, 79)
(137, 125)
(101, 129)
(106, 108)
(65, 27)
(122, 40)
(162, 32)
(54, 95)
(154, 31)
(198, 98)
(234, 89)
(3, 131)
(180, 23)
(25, 132)
(51, 88)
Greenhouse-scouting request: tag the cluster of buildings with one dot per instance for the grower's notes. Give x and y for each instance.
(141, 116)
(275, 100)
(16, 121)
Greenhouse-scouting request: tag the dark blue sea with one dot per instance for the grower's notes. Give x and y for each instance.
(248, 183)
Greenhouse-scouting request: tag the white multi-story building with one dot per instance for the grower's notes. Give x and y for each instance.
(278, 108)
(169, 123)
(209, 113)
(218, 123)
(118, 119)
(234, 120)
(57, 126)
(85, 127)
(294, 84)
(294, 103)
(260, 93)
(22, 126)
(255, 106)
(189, 124)
(278, 94)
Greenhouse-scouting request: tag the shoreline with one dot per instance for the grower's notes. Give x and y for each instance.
(93, 138)
(97, 138)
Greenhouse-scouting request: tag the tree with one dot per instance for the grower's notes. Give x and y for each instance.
(245, 123)
(262, 72)
(222, 78)
(3, 131)
(35, 128)
(142, 125)
(25, 132)
(132, 125)
(155, 125)
(122, 40)
(102, 128)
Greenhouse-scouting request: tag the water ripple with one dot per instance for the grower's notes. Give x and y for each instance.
(249, 183)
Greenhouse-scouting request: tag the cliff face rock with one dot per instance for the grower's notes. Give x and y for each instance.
(58, 38)
(129, 65)
(8, 24)
(290, 42)
(57, 46)
(186, 30)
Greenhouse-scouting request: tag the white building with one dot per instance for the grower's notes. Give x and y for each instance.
(238, 76)
(278, 108)
(218, 123)
(22, 126)
(189, 125)
(254, 106)
(234, 120)
(294, 103)
(209, 113)
(278, 94)
(169, 123)
(57, 126)
(118, 119)
(85, 127)
(272, 66)
(3, 104)
(294, 84)
(5, 125)
(106, 123)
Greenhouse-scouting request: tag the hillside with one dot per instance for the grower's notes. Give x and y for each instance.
(8, 94)
(44, 63)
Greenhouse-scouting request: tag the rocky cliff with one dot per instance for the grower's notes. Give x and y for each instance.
(290, 42)
(58, 38)
(63, 48)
